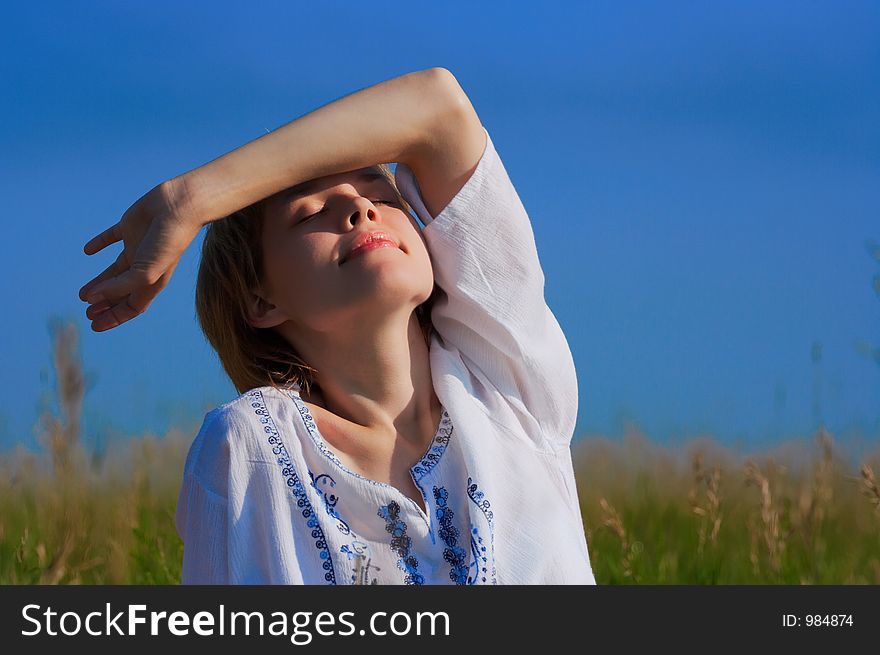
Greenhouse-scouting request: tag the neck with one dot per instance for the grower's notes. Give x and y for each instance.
(377, 377)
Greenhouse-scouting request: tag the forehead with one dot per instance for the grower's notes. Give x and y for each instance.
(363, 176)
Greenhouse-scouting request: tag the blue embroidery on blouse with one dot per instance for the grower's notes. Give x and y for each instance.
(453, 553)
(428, 461)
(435, 451)
(478, 548)
(359, 551)
(478, 557)
(293, 481)
(330, 499)
(401, 543)
(407, 562)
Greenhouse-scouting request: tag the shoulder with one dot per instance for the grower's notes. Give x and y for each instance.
(257, 402)
(233, 430)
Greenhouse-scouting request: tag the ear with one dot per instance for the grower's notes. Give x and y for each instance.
(262, 313)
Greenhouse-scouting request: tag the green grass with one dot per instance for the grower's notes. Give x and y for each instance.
(698, 514)
(816, 523)
(107, 524)
(112, 522)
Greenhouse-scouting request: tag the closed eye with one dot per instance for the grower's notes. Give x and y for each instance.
(389, 202)
(310, 215)
(375, 202)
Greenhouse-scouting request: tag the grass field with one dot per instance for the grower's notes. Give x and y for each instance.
(698, 514)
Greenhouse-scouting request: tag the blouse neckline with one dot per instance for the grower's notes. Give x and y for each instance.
(426, 463)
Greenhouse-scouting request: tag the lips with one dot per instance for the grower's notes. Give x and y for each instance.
(365, 239)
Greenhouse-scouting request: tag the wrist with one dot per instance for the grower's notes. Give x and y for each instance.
(220, 187)
(181, 194)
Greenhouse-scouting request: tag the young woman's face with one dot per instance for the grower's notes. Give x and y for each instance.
(307, 234)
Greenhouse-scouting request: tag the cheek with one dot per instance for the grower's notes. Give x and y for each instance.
(420, 244)
(413, 227)
(421, 258)
(286, 267)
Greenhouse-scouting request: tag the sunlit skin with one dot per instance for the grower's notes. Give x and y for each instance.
(354, 321)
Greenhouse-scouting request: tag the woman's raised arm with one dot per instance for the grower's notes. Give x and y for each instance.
(409, 119)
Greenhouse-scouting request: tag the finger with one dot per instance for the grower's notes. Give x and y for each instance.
(130, 307)
(98, 243)
(94, 311)
(115, 268)
(114, 316)
(115, 289)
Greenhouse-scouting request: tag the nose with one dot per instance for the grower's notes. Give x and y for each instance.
(363, 209)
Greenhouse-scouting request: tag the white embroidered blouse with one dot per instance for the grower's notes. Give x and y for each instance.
(265, 500)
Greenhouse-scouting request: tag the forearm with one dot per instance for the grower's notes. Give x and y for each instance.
(387, 122)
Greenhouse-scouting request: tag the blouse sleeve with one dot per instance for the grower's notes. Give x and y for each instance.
(201, 517)
(493, 308)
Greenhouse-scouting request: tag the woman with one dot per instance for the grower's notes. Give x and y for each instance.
(407, 397)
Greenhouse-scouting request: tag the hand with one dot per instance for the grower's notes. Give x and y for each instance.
(155, 232)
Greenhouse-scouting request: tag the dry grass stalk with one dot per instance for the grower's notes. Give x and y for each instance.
(869, 486)
(61, 436)
(754, 538)
(773, 540)
(55, 570)
(68, 535)
(824, 473)
(613, 521)
(63, 433)
(815, 499)
(710, 510)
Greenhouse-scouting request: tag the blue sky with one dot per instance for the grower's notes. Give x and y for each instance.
(703, 180)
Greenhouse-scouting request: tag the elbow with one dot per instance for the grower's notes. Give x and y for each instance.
(453, 117)
(440, 84)
(442, 76)
(448, 121)
(453, 99)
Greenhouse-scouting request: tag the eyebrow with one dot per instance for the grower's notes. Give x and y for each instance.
(304, 188)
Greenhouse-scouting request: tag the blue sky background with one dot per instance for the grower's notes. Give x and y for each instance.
(703, 180)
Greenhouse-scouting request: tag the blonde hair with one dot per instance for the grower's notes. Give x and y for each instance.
(231, 266)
